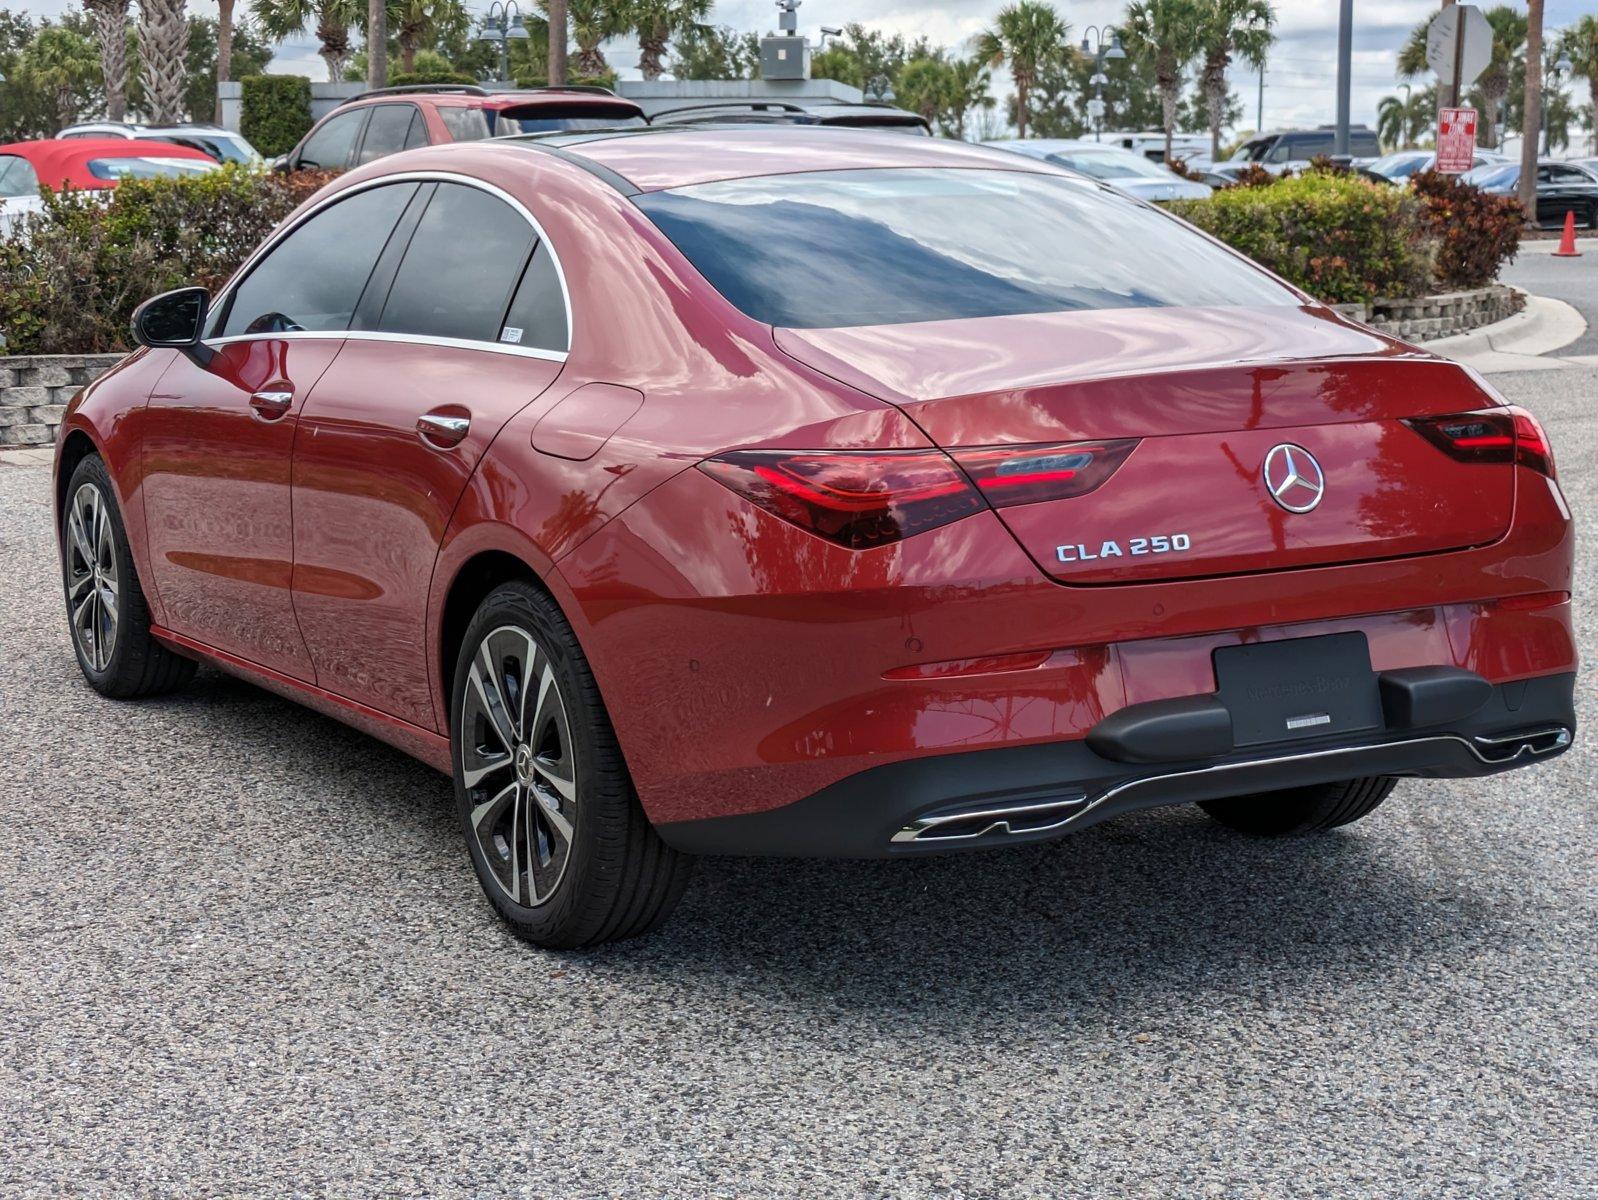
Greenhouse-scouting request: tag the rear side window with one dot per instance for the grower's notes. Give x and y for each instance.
(464, 124)
(537, 315)
(17, 177)
(463, 262)
(880, 247)
(329, 146)
(392, 128)
(313, 279)
(153, 167)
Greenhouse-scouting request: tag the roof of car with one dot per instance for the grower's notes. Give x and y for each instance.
(668, 156)
(471, 96)
(67, 161)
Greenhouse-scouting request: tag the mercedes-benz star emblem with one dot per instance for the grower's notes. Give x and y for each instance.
(1294, 479)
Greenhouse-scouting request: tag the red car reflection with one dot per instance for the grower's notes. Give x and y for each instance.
(815, 492)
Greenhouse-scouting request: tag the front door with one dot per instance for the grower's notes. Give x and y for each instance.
(471, 330)
(220, 434)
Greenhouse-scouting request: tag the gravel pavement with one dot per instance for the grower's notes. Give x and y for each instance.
(244, 955)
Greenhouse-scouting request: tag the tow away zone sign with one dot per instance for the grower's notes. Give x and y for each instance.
(1456, 140)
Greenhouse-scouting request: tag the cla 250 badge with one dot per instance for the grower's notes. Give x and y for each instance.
(1160, 543)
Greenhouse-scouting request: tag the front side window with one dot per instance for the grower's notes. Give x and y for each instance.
(389, 131)
(463, 261)
(17, 177)
(879, 247)
(313, 279)
(331, 143)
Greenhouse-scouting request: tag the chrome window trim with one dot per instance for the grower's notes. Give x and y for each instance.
(284, 231)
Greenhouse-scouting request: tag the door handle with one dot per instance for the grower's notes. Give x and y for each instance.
(270, 404)
(445, 428)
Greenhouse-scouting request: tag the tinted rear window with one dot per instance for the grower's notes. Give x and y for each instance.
(884, 247)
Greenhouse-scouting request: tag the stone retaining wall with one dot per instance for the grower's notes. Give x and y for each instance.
(35, 388)
(1443, 315)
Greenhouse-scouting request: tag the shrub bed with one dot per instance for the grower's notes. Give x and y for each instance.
(72, 274)
(276, 111)
(1476, 232)
(1340, 238)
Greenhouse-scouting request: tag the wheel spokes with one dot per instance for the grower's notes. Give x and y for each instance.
(495, 824)
(93, 587)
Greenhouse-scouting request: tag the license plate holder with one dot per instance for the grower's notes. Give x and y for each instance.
(1297, 689)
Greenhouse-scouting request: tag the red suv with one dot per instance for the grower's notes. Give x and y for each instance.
(388, 120)
(813, 492)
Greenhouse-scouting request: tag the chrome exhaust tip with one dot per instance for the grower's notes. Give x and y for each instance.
(1009, 821)
(1508, 747)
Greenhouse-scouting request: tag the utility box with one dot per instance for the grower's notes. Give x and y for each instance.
(785, 57)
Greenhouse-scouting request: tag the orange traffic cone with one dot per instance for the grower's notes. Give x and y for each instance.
(1567, 244)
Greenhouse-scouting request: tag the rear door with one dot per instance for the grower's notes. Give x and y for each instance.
(390, 129)
(331, 145)
(464, 325)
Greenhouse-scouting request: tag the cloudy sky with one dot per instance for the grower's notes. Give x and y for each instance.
(1299, 80)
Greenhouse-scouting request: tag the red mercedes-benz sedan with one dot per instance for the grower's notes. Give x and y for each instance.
(815, 492)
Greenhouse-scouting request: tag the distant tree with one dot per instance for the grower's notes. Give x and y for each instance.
(657, 22)
(52, 80)
(859, 56)
(715, 52)
(251, 54)
(1028, 37)
(1580, 42)
(594, 22)
(417, 25)
(1163, 33)
(1402, 122)
(1532, 127)
(1229, 29)
(943, 90)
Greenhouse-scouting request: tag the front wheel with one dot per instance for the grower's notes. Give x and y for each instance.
(109, 616)
(559, 841)
(1301, 810)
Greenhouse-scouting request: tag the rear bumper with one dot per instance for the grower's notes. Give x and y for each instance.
(1038, 792)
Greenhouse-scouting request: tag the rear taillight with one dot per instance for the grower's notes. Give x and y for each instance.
(857, 500)
(1492, 435)
(860, 499)
(1027, 474)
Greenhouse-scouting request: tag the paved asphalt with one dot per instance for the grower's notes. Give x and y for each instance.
(1573, 280)
(244, 955)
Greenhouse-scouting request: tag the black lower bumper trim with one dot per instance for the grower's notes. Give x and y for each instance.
(1033, 793)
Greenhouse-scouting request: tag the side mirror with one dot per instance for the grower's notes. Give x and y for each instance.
(175, 319)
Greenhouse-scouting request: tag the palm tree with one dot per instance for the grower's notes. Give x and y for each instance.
(1164, 33)
(1509, 41)
(224, 50)
(281, 19)
(111, 31)
(1227, 28)
(656, 22)
(559, 35)
(1531, 123)
(163, 45)
(377, 43)
(420, 23)
(1580, 44)
(1402, 121)
(594, 22)
(1026, 36)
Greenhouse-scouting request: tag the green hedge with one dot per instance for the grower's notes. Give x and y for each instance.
(1341, 238)
(71, 276)
(276, 111)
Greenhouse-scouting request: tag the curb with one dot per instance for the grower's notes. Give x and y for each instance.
(1522, 342)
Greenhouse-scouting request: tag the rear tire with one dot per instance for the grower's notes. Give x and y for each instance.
(557, 837)
(106, 610)
(1296, 811)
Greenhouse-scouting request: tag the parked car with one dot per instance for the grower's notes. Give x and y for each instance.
(388, 120)
(1124, 170)
(773, 492)
(835, 113)
(1562, 187)
(1403, 165)
(86, 164)
(1151, 144)
(1294, 149)
(223, 145)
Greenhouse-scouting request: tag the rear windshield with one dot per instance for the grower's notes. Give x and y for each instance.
(547, 118)
(883, 247)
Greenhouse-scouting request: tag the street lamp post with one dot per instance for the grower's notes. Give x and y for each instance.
(501, 26)
(1559, 69)
(1091, 36)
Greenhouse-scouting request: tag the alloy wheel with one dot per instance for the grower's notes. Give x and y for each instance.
(518, 765)
(93, 585)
